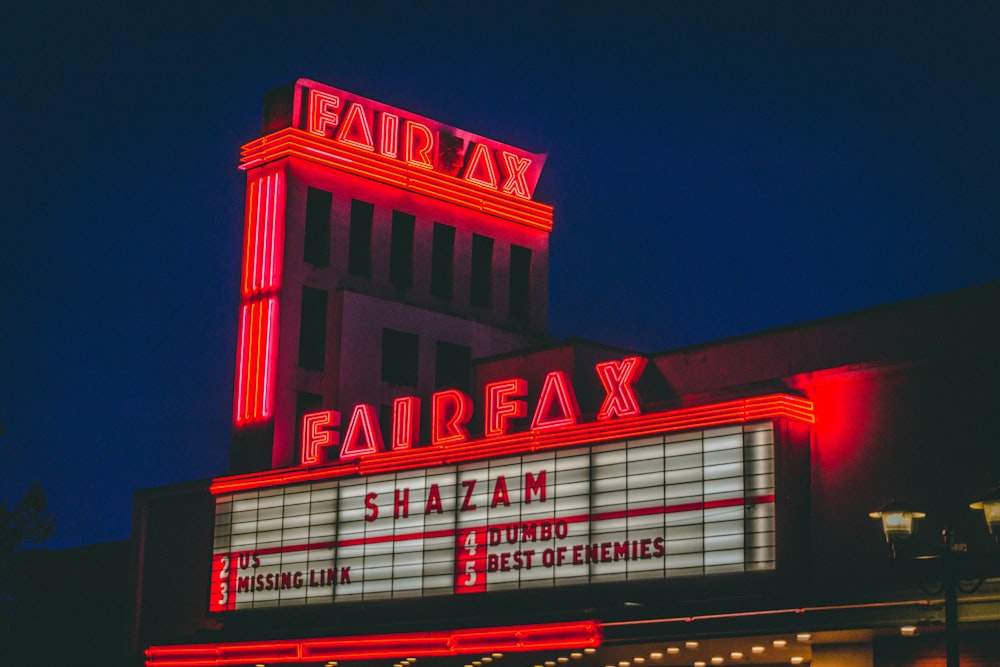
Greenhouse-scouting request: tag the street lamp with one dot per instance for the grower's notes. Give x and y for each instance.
(990, 505)
(898, 523)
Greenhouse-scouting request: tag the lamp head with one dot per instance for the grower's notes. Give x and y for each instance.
(897, 521)
(990, 505)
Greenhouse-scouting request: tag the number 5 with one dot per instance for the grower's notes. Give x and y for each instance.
(470, 570)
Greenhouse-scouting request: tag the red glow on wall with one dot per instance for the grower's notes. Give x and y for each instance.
(257, 340)
(414, 173)
(758, 408)
(514, 639)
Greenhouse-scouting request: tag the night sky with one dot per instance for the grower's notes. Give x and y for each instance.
(716, 169)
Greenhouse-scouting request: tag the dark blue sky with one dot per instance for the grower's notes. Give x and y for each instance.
(717, 169)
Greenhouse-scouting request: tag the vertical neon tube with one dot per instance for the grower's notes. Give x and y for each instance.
(263, 249)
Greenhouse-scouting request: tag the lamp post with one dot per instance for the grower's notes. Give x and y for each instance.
(898, 521)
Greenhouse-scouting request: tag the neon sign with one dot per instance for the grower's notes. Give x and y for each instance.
(348, 119)
(451, 412)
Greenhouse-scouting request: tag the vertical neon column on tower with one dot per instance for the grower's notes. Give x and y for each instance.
(257, 343)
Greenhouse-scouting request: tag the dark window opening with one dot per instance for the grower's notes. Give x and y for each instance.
(312, 329)
(453, 367)
(443, 260)
(399, 357)
(401, 250)
(359, 259)
(520, 281)
(317, 234)
(482, 271)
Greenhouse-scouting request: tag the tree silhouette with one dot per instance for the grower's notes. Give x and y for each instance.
(29, 522)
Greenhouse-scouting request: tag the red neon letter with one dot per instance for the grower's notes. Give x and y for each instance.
(450, 412)
(362, 436)
(317, 431)
(418, 153)
(388, 144)
(499, 409)
(556, 390)
(405, 422)
(322, 116)
(354, 130)
(618, 378)
(479, 169)
(516, 168)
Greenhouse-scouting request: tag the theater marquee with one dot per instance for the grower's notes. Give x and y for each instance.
(676, 503)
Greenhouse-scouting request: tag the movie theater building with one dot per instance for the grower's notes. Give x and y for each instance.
(419, 476)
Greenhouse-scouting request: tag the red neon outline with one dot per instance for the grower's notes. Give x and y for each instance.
(421, 158)
(263, 250)
(317, 432)
(405, 422)
(363, 424)
(388, 143)
(739, 411)
(618, 378)
(441, 643)
(256, 360)
(479, 157)
(517, 169)
(348, 135)
(321, 114)
(294, 143)
(451, 410)
(556, 386)
(499, 410)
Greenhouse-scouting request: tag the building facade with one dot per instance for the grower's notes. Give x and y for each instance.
(420, 476)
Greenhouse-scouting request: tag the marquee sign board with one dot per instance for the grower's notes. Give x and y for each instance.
(677, 503)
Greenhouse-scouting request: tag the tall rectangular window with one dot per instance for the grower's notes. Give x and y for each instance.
(453, 367)
(312, 329)
(520, 282)
(443, 260)
(317, 234)
(400, 357)
(482, 271)
(359, 259)
(401, 251)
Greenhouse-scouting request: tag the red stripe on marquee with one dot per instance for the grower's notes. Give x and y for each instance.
(577, 518)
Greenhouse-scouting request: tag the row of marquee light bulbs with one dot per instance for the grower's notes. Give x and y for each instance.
(756, 649)
(734, 656)
(638, 660)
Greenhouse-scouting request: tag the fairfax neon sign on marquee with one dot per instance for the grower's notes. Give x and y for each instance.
(627, 497)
